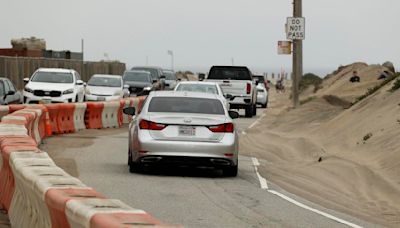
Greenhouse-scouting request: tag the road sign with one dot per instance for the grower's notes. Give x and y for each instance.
(284, 47)
(296, 28)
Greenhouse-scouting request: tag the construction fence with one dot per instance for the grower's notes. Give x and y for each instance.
(17, 68)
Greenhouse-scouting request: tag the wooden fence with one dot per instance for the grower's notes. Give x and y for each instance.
(17, 68)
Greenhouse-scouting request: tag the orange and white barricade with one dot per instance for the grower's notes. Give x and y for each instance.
(79, 116)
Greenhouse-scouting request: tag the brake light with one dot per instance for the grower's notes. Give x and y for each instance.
(148, 125)
(227, 127)
(248, 88)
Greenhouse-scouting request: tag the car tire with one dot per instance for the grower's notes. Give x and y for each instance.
(254, 110)
(135, 167)
(249, 111)
(264, 105)
(129, 157)
(230, 171)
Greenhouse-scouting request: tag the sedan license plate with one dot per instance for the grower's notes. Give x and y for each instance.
(101, 98)
(187, 131)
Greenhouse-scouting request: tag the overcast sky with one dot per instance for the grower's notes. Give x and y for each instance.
(202, 33)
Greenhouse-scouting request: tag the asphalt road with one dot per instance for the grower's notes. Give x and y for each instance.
(191, 197)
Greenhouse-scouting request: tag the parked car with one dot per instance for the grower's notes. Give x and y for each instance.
(156, 74)
(140, 82)
(170, 79)
(238, 82)
(203, 87)
(102, 87)
(8, 93)
(54, 85)
(186, 128)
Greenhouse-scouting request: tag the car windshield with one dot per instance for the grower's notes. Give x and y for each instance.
(53, 77)
(105, 81)
(186, 105)
(137, 76)
(202, 88)
(169, 75)
(153, 72)
(1, 88)
(231, 73)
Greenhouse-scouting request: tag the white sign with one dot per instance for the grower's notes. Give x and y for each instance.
(296, 28)
(284, 47)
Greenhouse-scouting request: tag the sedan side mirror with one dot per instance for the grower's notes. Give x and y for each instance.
(233, 114)
(26, 80)
(129, 111)
(79, 82)
(154, 80)
(257, 82)
(10, 93)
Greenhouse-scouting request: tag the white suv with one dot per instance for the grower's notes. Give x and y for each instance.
(53, 85)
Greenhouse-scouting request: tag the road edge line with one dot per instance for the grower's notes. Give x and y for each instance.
(264, 185)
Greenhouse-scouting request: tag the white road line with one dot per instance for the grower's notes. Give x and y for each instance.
(264, 185)
(256, 122)
(263, 181)
(244, 133)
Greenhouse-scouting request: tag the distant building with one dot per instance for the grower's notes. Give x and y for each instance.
(34, 47)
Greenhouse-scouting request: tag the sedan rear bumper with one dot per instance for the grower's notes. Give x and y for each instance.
(226, 149)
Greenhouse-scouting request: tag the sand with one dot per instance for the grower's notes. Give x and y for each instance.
(358, 147)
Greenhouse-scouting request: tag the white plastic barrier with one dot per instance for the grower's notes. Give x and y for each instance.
(109, 116)
(80, 212)
(35, 126)
(34, 175)
(4, 110)
(20, 118)
(79, 116)
(12, 130)
(23, 211)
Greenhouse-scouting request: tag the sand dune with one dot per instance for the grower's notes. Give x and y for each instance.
(359, 147)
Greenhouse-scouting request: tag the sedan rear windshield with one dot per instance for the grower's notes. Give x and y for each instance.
(229, 73)
(186, 105)
(53, 77)
(201, 88)
(259, 78)
(105, 81)
(169, 75)
(137, 77)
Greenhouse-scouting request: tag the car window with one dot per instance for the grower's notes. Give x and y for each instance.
(2, 89)
(52, 77)
(137, 76)
(186, 105)
(78, 76)
(105, 81)
(231, 73)
(6, 87)
(169, 75)
(201, 88)
(154, 72)
(12, 88)
(259, 78)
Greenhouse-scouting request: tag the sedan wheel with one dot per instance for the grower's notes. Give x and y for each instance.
(230, 171)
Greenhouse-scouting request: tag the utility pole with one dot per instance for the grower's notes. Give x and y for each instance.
(82, 48)
(233, 61)
(297, 56)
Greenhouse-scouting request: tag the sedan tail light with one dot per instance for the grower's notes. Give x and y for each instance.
(227, 127)
(248, 88)
(148, 125)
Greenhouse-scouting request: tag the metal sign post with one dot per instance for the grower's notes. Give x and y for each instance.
(296, 32)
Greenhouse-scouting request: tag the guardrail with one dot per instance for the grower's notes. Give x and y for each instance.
(37, 193)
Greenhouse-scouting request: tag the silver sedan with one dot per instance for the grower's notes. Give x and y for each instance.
(183, 128)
